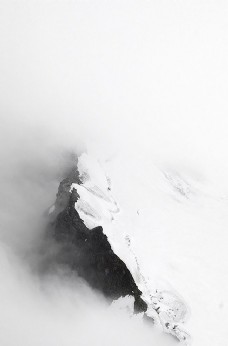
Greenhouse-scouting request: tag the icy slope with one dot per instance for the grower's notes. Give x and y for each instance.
(177, 222)
(97, 207)
(165, 227)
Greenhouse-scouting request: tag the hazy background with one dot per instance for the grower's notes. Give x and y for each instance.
(145, 76)
(153, 72)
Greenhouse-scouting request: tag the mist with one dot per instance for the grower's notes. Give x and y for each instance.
(143, 78)
(55, 308)
(58, 310)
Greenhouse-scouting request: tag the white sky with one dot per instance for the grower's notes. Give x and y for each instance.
(158, 68)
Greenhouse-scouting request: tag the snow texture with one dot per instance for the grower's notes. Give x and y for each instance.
(96, 206)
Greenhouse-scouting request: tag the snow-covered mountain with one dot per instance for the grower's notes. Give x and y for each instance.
(143, 85)
(89, 189)
(160, 223)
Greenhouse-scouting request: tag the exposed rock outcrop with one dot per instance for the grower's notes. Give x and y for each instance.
(88, 251)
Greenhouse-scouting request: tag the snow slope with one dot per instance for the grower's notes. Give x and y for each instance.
(169, 226)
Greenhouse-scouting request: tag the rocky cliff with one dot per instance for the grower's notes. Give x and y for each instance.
(87, 251)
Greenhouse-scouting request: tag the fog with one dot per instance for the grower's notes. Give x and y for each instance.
(145, 77)
(56, 308)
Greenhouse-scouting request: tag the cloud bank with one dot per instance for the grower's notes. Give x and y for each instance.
(144, 77)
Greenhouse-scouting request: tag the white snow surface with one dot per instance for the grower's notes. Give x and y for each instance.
(169, 227)
(96, 205)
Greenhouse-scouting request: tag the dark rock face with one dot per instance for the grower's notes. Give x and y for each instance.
(88, 252)
(64, 195)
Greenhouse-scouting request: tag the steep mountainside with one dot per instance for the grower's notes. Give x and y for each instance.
(80, 221)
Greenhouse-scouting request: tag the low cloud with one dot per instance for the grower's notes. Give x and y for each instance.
(54, 308)
(129, 76)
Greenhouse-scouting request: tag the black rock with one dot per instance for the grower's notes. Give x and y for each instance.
(88, 251)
